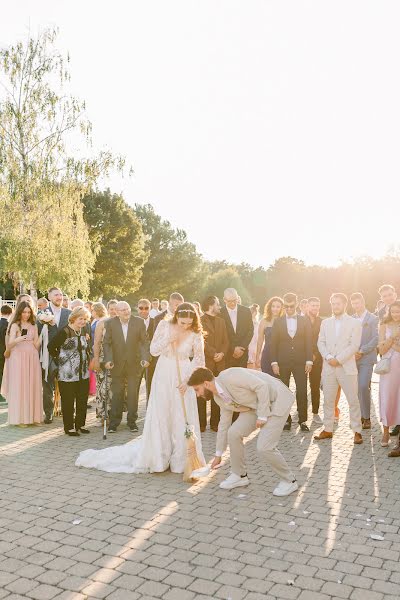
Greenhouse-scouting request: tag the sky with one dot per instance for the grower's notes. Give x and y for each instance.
(262, 128)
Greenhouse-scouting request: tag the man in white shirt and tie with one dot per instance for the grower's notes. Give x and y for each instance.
(339, 341)
(240, 328)
(145, 313)
(292, 354)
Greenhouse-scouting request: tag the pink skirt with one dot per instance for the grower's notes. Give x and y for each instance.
(389, 393)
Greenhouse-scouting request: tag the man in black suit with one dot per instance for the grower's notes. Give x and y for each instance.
(240, 328)
(61, 316)
(6, 312)
(314, 305)
(126, 352)
(292, 354)
(175, 300)
(144, 307)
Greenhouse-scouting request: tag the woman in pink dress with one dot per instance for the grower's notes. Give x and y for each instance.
(389, 383)
(22, 381)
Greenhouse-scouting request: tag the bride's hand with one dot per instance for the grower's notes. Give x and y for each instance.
(182, 388)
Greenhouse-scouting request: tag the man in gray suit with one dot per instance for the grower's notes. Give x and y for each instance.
(263, 402)
(126, 352)
(366, 355)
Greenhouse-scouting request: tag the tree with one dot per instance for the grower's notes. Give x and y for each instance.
(117, 239)
(42, 182)
(217, 283)
(174, 263)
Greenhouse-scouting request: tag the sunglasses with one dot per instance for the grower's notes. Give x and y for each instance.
(144, 307)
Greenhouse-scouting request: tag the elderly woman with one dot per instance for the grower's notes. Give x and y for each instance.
(103, 379)
(71, 349)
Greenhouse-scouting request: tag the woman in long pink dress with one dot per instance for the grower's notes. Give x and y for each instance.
(389, 383)
(22, 381)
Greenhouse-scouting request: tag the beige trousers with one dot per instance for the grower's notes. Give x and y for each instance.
(331, 380)
(267, 442)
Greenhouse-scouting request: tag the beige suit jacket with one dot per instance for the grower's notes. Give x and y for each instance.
(342, 347)
(263, 394)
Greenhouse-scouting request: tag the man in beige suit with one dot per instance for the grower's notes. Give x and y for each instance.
(339, 340)
(263, 402)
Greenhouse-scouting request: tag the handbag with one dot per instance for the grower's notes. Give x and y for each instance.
(383, 366)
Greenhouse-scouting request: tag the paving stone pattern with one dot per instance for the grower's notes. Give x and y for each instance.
(152, 536)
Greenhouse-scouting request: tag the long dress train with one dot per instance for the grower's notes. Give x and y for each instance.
(163, 444)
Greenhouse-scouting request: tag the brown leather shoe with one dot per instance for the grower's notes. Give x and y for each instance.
(366, 423)
(395, 452)
(358, 438)
(324, 435)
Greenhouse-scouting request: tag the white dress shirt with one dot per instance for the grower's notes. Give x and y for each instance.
(338, 327)
(154, 312)
(233, 316)
(56, 310)
(361, 317)
(125, 329)
(147, 322)
(291, 324)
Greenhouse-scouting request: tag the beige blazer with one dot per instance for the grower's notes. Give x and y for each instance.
(263, 394)
(342, 347)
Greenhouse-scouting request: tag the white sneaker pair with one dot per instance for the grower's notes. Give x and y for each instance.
(284, 488)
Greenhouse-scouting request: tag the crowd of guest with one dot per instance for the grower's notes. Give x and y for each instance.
(92, 350)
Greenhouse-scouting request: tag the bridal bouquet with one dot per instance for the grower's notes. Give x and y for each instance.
(46, 318)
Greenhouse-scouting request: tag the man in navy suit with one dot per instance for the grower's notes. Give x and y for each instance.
(61, 316)
(366, 356)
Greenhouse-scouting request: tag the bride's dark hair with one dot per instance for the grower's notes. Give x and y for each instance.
(186, 310)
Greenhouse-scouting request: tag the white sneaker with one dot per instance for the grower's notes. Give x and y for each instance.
(317, 419)
(284, 488)
(234, 481)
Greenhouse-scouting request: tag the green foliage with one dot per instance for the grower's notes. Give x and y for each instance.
(117, 239)
(174, 265)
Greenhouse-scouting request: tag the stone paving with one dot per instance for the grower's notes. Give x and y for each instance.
(71, 534)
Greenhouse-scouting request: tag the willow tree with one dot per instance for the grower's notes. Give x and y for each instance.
(43, 238)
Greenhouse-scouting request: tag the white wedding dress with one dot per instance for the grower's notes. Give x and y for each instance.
(162, 444)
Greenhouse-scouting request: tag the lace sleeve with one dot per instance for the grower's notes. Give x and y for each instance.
(198, 352)
(161, 339)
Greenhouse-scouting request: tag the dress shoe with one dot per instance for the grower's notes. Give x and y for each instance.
(48, 420)
(358, 438)
(324, 435)
(366, 423)
(83, 430)
(134, 428)
(395, 452)
(234, 481)
(284, 488)
(72, 433)
(287, 426)
(112, 430)
(304, 427)
(395, 430)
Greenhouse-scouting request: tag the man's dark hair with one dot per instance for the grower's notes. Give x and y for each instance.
(314, 299)
(208, 302)
(155, 300)
(290, 297)
(199, 376)
(357, 296)
(6, 309)
(176, 296)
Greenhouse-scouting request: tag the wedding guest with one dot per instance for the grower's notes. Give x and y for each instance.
(155, 308)
(6, 312)
(366, 356)
(71, 349)
(99, 313)
(24, 298)
(379, 305)
(291, 354)
(22, 384)
(112, 308)
(144, 312)
(77, 303)
(175, 300)
(65, 301)
(126, 352)
(60, 321)
(313, 308)
(389, 384)
(263, 402)
(303, 307)
(338, 342)
(388, 295)
(272, 310)
(216, 345)
(240, 328)
(103, 378)
(255, 314)
(42, 304)
(164, 305)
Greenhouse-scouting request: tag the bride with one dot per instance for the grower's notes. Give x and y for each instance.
(163, 443)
